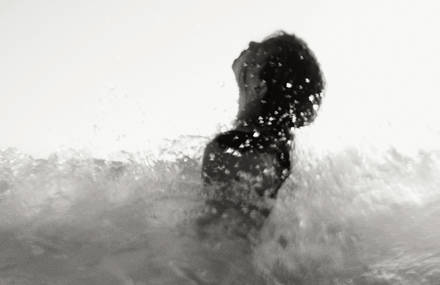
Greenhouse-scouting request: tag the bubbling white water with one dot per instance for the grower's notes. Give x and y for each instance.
(358, 216)
(347, 215)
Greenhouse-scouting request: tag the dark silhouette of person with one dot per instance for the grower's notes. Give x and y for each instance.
(281, 88)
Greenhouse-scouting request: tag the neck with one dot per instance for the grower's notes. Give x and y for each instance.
(276, 131)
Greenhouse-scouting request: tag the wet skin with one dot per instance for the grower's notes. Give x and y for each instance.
(280, 88)
(248, 158)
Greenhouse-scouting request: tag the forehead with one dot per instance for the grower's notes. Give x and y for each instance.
(250, 56)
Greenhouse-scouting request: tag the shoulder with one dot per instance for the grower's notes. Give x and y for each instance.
(232, 138)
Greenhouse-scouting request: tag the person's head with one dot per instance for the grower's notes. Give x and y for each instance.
(280, 82)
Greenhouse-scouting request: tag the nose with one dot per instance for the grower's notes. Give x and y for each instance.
(253, 45)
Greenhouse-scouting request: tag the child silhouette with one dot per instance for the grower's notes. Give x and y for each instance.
(281, 87)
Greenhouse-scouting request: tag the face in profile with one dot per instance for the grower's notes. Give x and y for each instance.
(280, 83)
(247, 68)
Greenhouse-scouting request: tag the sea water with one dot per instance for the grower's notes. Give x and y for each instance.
(353, 215)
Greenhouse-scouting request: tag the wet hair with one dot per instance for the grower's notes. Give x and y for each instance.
(292, 78)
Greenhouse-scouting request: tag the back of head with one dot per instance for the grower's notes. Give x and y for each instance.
(290, 75)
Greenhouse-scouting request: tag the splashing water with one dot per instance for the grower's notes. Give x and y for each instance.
(352, 216)
(357, 218)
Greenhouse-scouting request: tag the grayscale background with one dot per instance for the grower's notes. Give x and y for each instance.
(110, 75)
(106, 107)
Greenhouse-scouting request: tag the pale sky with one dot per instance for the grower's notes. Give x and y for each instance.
(124, 75)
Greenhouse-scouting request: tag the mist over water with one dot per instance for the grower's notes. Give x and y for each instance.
(361, 205)
(359, 214)
(102, 130)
